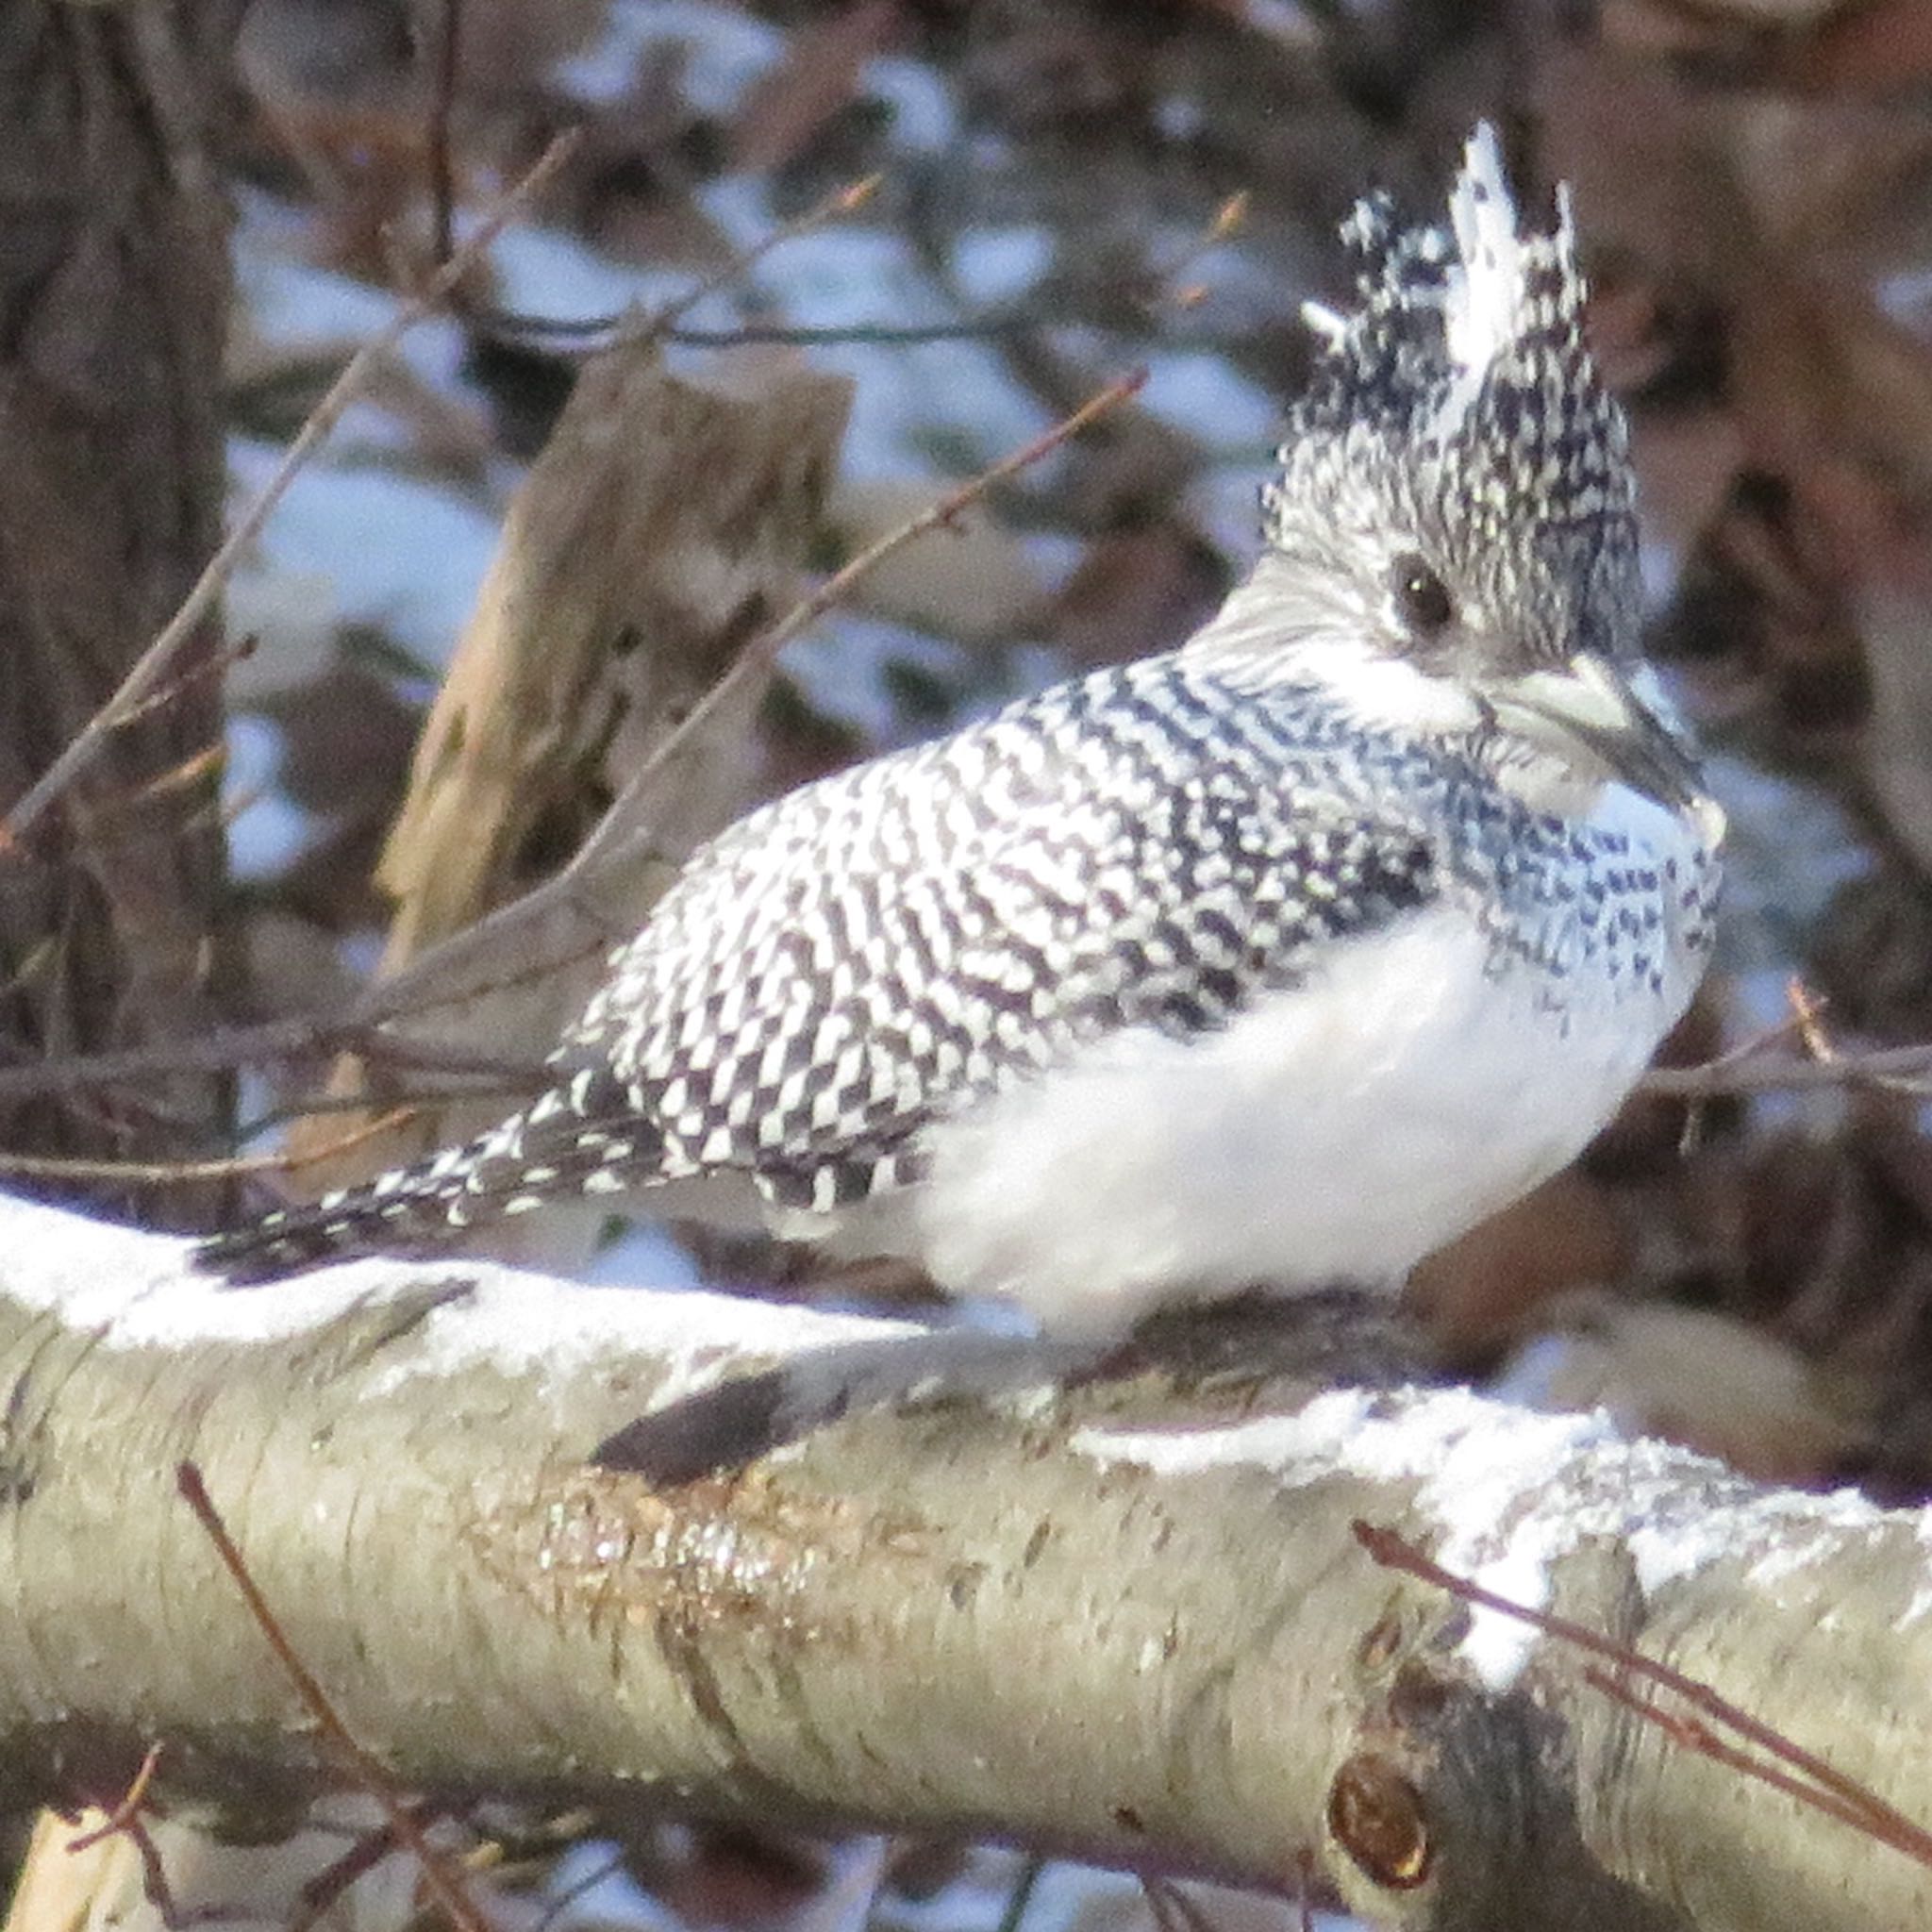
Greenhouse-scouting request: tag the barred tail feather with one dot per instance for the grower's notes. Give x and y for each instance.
(411, 1207)
(587, 1138)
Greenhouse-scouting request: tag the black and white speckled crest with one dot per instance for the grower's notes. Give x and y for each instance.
(1459, 404)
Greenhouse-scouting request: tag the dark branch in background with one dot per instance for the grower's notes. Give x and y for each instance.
(442, 193)
(1750, 1068)
(320, 1894)
(318, 1037)
(160, 1173)
(589, 332)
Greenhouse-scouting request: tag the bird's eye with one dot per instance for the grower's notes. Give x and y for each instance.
(1420, 596)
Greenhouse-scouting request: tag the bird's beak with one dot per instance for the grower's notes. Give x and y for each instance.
(1593, 703)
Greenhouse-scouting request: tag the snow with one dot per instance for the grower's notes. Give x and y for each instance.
(1501, 1495)
(843, 669)
(547, 271)
(137, 1289)
(924, 119)
(724, 52)
(996, 265)
(1201, 391)
(1504, 1494)
(291, 303)
(266, 832)
(397, 555)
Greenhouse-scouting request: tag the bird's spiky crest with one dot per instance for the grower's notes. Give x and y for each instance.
(1462, 368)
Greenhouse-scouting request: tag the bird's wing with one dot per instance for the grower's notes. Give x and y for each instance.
(1142, 848)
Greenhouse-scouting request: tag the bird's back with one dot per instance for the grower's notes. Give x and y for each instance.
(1283, 956)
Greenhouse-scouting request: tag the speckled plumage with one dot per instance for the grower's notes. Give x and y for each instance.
(935, 1004)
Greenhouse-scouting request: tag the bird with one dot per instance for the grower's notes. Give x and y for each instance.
(1277, 961)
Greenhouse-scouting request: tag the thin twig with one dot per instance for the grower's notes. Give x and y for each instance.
(127, 1810)
(1833, 1790)
(988, 324)
(1173, 1909)
(158, 1893)
(877, 335)
(399, 1810)
(273, 1042)
(1808, 1013)
(1692, 1734)
(1026, 1882)
(1225, 220)
(833, 207)
(366, 1851)
(576, 334)
(1890, 1069)
(156, 663)
(216, 665)
(662, 324)
(53, 1167)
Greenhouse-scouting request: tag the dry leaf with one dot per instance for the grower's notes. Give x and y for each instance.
(785, 109)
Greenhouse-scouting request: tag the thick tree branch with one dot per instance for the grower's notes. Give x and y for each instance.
(1129, 1619)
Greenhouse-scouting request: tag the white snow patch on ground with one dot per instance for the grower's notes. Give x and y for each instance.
(547, 272)
(1202, 393)
(924, 116)
(266, 832)
(998, 265)
(844, 671)
(400, 555)
(720, 52)
(293, 304)
(1511, 1491)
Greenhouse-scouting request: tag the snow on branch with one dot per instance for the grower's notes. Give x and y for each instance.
(1129, 1619)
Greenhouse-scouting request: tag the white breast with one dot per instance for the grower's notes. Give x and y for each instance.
(1335, 1132)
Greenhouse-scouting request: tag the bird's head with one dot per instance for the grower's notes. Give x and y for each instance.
(1453, 521)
